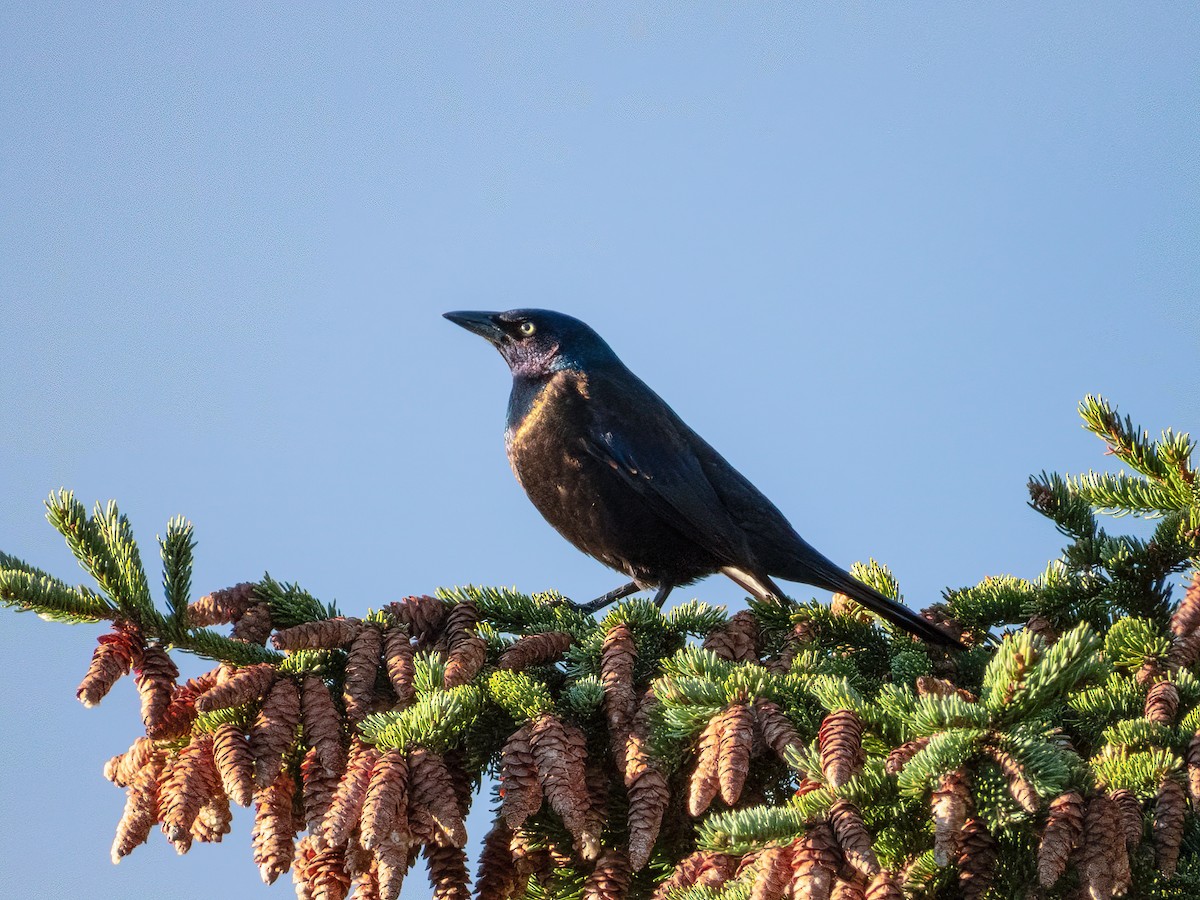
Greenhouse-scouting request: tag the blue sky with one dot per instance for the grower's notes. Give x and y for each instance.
(875, 254)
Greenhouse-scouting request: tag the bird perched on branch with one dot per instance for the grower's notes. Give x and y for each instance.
(613, 468)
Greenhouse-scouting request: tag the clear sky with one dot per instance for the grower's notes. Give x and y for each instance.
(875, 253)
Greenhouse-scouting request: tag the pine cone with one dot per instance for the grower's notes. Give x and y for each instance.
(885, 886)
(616, 672)
(736, 640)
(422, 615)
(346, 808)
(853, 838)
(274, 730)
(392, 862)
(1063, 831)
(535, 650)
(840, 740)
(610, 878)
(320, 870)
(646, 786)
(448, 872)
(704, 868)
(189, 781)
(497, 875)
(322, 724)
(1129, 809)
(385, 806)
(560, 751)
(155, 676)
(254, 625)
(815, 863)
(1169, 811)
(847, 890)
(951, 801)
(243, 686)
(1162, 703)
(434, 815)
(398, 659)
(274, 827)
(773, 874)
(366, 885)
(1187, 615)
(1018, 783)
(928, 686)
(976, 860)
(115, 655)
(317, 788)
(777, 729)
(736, 740)
(704, 783)
(322, 634)
(362, 665)
(141, 808)
(1042, 627)
(520, 785)
(122, 769)
(214, 821)
(223, 606)
(467, 656)
(1095, 858)
(898, 758)
(180, 714)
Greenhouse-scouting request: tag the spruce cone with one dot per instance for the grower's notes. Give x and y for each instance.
(853, 838)
(346, 808)
(736, 640)
(141, 808)
(1018, 784)
(928, 686)
(122, 769)
(422, 615)
(535, 650)
(190, 781)
(704, 783)
(320, 870)
(385, 806)
(1095, 857)
(1129, 809)
(243, 686)
(950, 803)
(223, 606)
(976, 860)
(317, 788)
(274, 729)
(155, 676)
(322, 724)
(520, 785)
(214, 821)
(736, 740)
(1118, 854)
(322, 634)
(801, 634)
(1162, 703)
(254, 625)
(898, 758)
(497, 875)
(1064, 829)
(467, 656)
(180, 714)
(434, 815)
(1184, 652)
(646, 786)
(234, 763)
(847, 890)
(560, 751)
(704, 868)
(885, 886)
(392, 862)
(1169, 811)
(448, 872)
(398, 659)
(773, 876)
(616, 671)
(815, 864)
(1192, 759)
(114, 656)
(777, 729)
(1187, 615)
(610, 878)
(362, 665)
(274, 827)
(840, 740)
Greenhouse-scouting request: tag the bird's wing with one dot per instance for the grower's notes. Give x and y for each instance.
(650, 449)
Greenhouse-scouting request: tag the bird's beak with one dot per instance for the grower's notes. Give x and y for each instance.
(480, 323)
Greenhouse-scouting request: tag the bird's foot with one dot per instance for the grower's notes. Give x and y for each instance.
(611, 597)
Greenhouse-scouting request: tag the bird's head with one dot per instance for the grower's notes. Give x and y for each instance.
(537, 342)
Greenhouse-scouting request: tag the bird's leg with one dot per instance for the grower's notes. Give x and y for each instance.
(611, 597)
(661, 597)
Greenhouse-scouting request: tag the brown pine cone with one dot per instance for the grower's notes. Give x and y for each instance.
(423, 617)
(392, 860)
(346, 808)
(801, 634)
(704, 783)
(497, 875)
(274, 827)
(1041, 626)
(1094, 859)
(155, 676)
(234, 763)
(214, 821)
(317, 788)
(1118, 854)
(385, 806)
(398, 660)
(434, 814)
(1129, 809)
(646, 786)
(467, 656)
(704, 868)
(362, 665)
(853, 838)
(242, 686)
(1019, 785)
(114, 656)
(885, 886)
(951, 801)
(1162, 703)
(976, 860)
(610, 878)
(1184, 652)
(322, 634)
(736, 640)
(320, 870)
(366, 885)
(141, 808)
(560, 750)
(1169, 811)
(520, 784)
(1063, 831)
(254, 625)
(322, 724)
(535, 650)
(815, 863)
(122, 769)
(928, 686)
(1187, 615)
(274, 730)
(735, 741)
(448, 872)
(840, 740)
(1192, 758)
(223, 606)
(898, 758)
(777, 729)
(847, 890)
(462, 619)
(180, 714)
(616, 672)
(773, 874)
(189, 781)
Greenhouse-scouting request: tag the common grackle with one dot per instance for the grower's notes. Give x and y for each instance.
(623, 478)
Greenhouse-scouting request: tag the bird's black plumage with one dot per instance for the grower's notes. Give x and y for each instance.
(613, 468)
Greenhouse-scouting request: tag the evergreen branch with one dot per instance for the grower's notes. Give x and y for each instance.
(1051, 495)
(438, 721)
(743, 830)
(1121, 494)
(1137, 734)
(933, 714)
(1129, 443)
(696, 618)
(176, 550)
(83, 537)
(1141, 772)
(519, 695)
(584, 696)
(511, 611)
(995, 600)
(51, 599)
(1134, 641)
(133, 587)
(878, 576)
(292, 605)
(946, 752)
(213, 645)
(429, 673)
(7, 561)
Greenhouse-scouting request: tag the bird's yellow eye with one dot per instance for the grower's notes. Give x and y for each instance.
(527, 328)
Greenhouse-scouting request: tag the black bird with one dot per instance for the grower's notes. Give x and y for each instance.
(623, 478)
